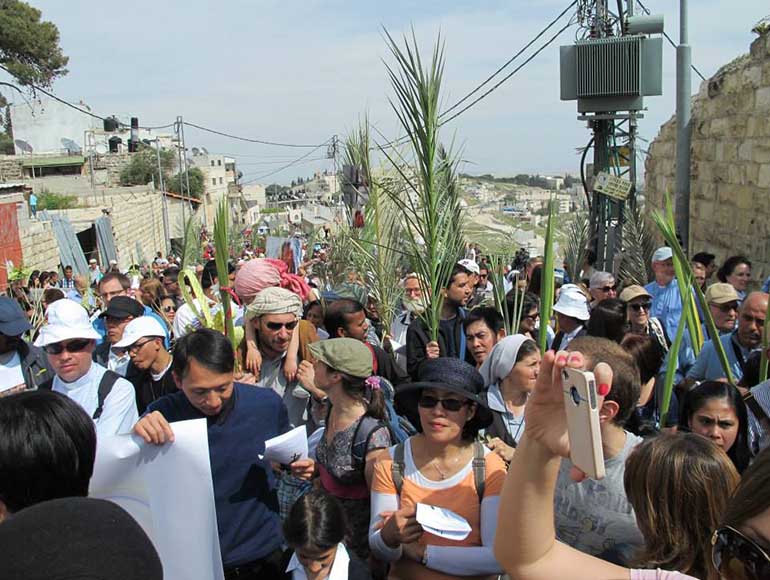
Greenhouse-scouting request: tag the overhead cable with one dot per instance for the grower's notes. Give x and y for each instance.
(291, 164)
(251, 140)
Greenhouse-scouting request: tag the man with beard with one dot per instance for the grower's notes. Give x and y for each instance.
(412, 305)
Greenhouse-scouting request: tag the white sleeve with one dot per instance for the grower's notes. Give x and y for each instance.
(382, 502)
(469, 560)
(119, 414)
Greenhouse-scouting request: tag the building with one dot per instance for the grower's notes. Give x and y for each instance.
(219, 178)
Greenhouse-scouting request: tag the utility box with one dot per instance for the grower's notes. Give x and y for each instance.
(613, 73)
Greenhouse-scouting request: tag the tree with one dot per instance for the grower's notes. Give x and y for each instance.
(143, 167)
(29, 48)
(196, 179)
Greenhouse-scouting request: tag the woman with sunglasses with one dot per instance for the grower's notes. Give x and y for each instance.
(678, 486)
(168, 310)
(509, 373)
(638, 304)
(716, 410)
(443, 466)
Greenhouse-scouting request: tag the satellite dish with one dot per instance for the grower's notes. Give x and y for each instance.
(205, 151)
(23, 145)
(70, 145)
(196, 151)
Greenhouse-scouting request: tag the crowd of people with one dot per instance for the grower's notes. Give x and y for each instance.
(471, 420)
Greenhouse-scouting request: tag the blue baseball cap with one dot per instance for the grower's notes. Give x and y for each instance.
(13, 321)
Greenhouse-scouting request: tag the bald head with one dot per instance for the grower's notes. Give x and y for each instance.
(751, 321)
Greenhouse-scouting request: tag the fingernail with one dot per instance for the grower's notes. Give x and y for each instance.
(603, 390)
(562, 360)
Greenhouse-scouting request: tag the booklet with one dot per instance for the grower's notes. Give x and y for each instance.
(442, 522)
(287, 448)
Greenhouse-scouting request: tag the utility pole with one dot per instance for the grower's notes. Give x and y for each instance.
(178, 130)
(187, 172)
(683, 127)
(166, 229)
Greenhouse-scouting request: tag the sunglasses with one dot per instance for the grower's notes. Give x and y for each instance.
(612, 288)
(738, 557)
(77, 345)
(727, 307)
(454, 405)
(641, 306)
(168, 309)
(279, 325)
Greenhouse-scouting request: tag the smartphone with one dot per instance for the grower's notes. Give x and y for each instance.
(580, 404)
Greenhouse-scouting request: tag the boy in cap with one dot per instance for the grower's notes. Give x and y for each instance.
(69, 340)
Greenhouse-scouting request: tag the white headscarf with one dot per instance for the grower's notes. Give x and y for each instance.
(502, 359)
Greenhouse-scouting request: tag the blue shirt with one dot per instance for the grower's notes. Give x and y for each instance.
(707, 366)
(32, 200)
(244, 485)
(666, 305)
(766, 286)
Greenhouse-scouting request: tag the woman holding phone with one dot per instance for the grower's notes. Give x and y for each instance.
(441, 466)
(660, 473)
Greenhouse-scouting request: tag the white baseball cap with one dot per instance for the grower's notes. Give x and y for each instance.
(140, 327)
(470, 265)
(66, 320)
(662, 254)
(572, 302)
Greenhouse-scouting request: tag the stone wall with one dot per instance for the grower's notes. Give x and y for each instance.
(730, 164)
(137, 218)
(113, 163)
(10, 168)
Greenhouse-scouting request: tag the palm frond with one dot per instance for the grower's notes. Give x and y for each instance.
(547, 289)
(221, 256)
(191, 247)
(578, 238)
(638, 247)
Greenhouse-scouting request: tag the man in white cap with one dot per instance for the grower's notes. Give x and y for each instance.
(94, 272)
(571, 312)
(69, 341)
(275, 313)
(666, 301)
(150, 367)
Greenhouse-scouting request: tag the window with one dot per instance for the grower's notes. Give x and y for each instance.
(213, 181)
(212, 163)
(219, 162)
(220, 181)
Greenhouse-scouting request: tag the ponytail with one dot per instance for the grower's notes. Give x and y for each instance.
(368, 392)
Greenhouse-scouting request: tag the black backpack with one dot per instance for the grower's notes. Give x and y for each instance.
(105, 386)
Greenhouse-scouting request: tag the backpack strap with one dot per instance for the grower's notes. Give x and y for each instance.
(363, 433)
(105, 386)
(397, 468)
(479, 468)
(46, 385)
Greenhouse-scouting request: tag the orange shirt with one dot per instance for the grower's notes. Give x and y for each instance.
(461, 499)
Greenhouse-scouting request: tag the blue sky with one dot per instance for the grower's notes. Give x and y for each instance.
(301, 71)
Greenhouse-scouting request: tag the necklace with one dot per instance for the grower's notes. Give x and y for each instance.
(442, 475)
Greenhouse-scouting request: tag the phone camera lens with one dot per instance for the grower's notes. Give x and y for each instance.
(575, 396)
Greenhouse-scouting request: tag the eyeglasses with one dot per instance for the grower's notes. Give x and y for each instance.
(532, 317)
(168, 309)
(453, 405)
(736, 556)
(279, 325)
(77, 345)
(134, 348)
(612, 288)
(727, 307)
(638, 307)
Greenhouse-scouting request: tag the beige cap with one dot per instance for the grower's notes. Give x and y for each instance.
(721, 294)
(633, 291)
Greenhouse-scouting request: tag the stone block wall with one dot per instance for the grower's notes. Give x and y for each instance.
(730, 162)
(10, 168)
(38, 246)
(137, 217)
(113, 163)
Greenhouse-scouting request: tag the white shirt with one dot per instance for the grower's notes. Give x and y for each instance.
(118, 363)
(11, 375)
(119, 414)
(339, 569)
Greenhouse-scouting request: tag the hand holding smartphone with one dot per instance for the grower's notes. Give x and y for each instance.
(580, 404)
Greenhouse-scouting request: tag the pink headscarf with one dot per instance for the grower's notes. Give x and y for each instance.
(256, 275)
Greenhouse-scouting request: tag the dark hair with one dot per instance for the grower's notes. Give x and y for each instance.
(590, 257)
(457, 270)
(110, 276)
(626, 384)
(527, 348)
(488, 316)
(309, 306)
(730, 264)
(47, 448)
(51, 295)
(529, 302)
(316, 523)
(209, 348)
(172, 273)
(608, 320)
(336, 313)
(209, 274)
(647, 353)
(696, 398)
(704, 258)
(751, 497)
(535, 280)
(68, 267)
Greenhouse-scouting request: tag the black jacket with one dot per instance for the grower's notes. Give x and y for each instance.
(417, 339)
(387, 367)
(147, 390)
(101, 353)
(34, 365)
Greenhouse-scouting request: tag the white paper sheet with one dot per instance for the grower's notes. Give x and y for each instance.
(168, 490)
(287, 448)
(442, 522)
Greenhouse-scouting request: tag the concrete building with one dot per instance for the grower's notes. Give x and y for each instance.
(220, 175)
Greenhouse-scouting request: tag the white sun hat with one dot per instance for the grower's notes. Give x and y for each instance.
(140, 327)
(572, 302)
(66, 320)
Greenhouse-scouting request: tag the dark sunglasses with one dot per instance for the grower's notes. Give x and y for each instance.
(168, 309)
(77, 345)
(609, 288)
(727, 307)
(738, 557)
(641, 306)
(454, 405)
(280, 325)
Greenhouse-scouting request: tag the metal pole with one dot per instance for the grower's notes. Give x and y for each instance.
(166, 228)
(683, 128)
(179, 162)
(187, 171)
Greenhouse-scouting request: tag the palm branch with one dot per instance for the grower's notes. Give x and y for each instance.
(638, 247)
(578, 238)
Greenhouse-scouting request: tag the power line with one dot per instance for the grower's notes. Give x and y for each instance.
(671, 42)
(250, 140)
(510, 60)
(292, 164)
(509, 75)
